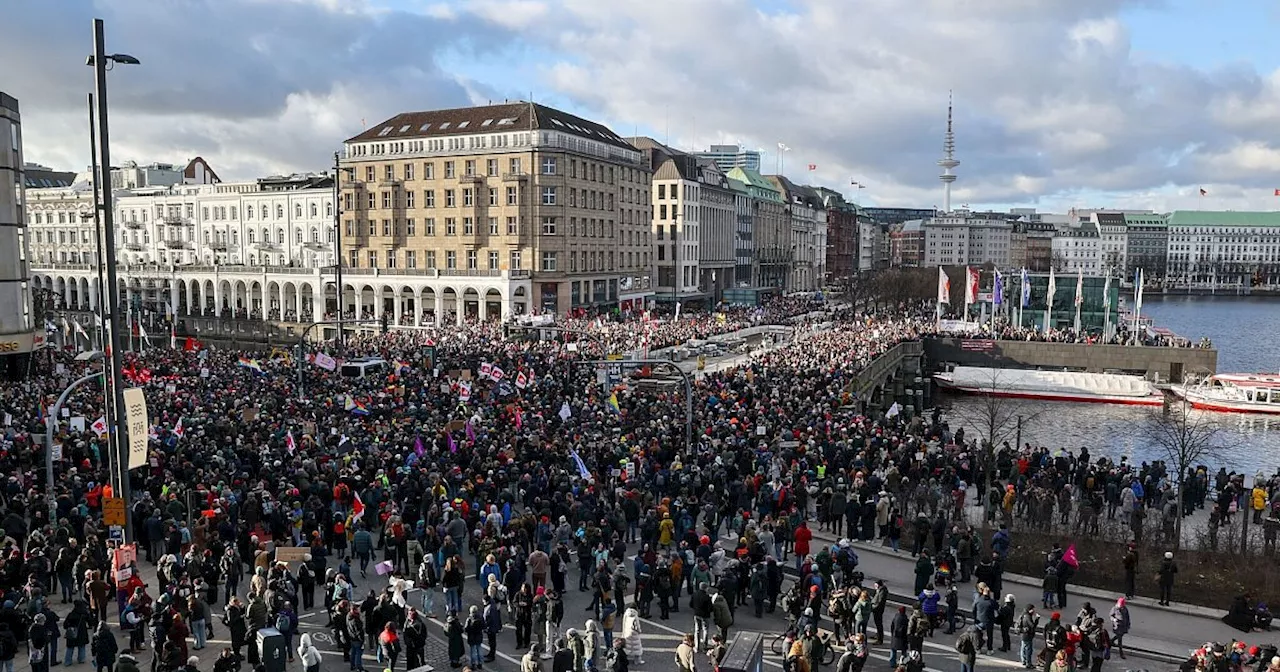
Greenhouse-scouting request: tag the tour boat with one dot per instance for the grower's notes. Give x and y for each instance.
(1234, 393)
(1097, 388)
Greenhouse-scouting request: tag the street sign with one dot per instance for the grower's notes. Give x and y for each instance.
(116, 533)
(113, 511)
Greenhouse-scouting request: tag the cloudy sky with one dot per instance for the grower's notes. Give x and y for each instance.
(1058, 103)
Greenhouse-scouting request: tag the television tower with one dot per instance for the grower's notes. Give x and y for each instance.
(948, 161)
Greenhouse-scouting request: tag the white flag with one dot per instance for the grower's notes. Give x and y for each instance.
(325, 361)
(99, 427)
(565, 413)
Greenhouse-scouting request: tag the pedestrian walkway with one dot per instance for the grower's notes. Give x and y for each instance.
(1171, 631)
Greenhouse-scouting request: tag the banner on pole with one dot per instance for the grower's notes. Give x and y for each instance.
(135, 408)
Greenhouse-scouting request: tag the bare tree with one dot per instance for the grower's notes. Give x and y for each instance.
(998, 417)
(1187, 438)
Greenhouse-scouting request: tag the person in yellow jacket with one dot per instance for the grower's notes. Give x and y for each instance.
(666, 531)
(1259, 503)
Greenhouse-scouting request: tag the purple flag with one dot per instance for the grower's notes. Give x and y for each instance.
(471, 432)
(418, 448)
(997, 292)
(453, 446)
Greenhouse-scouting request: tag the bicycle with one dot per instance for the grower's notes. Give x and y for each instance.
(780, 647)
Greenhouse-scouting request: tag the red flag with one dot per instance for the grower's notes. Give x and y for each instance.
(1277, 192)
(1070, 556)
(189, 345)
(357, 507)
(813, 166)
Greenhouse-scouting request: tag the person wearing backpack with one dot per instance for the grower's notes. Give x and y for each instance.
(967, 645)
(1055, 639)
(286, 622)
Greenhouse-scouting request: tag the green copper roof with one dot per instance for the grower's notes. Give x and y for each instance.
(756, 183)
(1223, 218)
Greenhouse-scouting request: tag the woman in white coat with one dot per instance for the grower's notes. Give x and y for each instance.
(631, 636)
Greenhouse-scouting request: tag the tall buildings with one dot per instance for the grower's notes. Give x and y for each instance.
(948, 162)
(962, 239)
(842, 236)
(494, 211)
(770, 230)
(1223, 249)
(808, 229)
(728, 157)
(21, 326)
(1147, 244)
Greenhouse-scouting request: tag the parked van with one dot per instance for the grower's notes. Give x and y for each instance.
(359, 368)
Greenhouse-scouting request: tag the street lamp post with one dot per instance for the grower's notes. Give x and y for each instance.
(50, 426)
(119, 433)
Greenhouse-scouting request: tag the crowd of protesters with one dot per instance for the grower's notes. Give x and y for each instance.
(479, 464)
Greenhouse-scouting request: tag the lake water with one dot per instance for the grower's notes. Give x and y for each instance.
(1241, 329)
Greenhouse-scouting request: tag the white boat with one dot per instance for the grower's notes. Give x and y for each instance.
(1234, 393)
(1097, 388)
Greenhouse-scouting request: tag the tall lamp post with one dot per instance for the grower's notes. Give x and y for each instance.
(99, 61)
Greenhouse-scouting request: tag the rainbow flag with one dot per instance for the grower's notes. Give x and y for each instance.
(613, 403)
(355, 407)
(402, 366)
(251, 364)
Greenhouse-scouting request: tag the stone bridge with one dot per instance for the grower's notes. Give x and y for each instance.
(897, 375)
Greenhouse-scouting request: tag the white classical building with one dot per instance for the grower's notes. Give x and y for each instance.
(253, 250)
(958, 238)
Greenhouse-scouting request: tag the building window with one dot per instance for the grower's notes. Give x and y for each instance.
(410, 229)
(548, 195)
(409, 198)
(297, 237)
(548, 226)
(493, 260)
(469, 168)
(662, 192)
(472, 260)
(549, 261)
(468, 197)
(354, 261)
(513, 166)
(279, 211)
(386, 227)
(408, 171)
(493, 197)
(451, 260)
(410, 259)
(373, 201)
(549, 165)
(429, 171)
(249, 236)
(373, 227)
(386, 200)
(349, 231)
(468, 226)
(369, 175)
(391, 259)
(493, 226)
(512, 196)
(449, 199)
(429, 198)
(390, 172)
(513, 260)
(204, 214)
(429, 226)
(373, 258)
(513, 226)
(450, 226)
(491, 168)
(448, 170)
(431, 259)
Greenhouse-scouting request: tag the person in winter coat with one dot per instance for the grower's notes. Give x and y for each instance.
(632, 636)
(968, 645)
(701, 603)
(104, 648)
(522, 610)
(578, 646)
(1119, 625)
(685, 655)
(1028, 626)
(855, 654)
(898, 636)
(9, 648)
(308, 654)
(234, 617)
(1005, 615)
(1168, 569)
(414, 636)
(457, 643)
(617, 660)
(722, 615)
(76, 627)
(492, 626)
(127, 663)
(227, 661)
(38, 644)
(389, 645)
(531, 661)
(593, 639)
(474, 628)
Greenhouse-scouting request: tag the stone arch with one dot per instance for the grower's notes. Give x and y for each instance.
(366, 298)
(471, 303)
(450, 303)
(427, 305)
(493, 305)
(273, 300)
